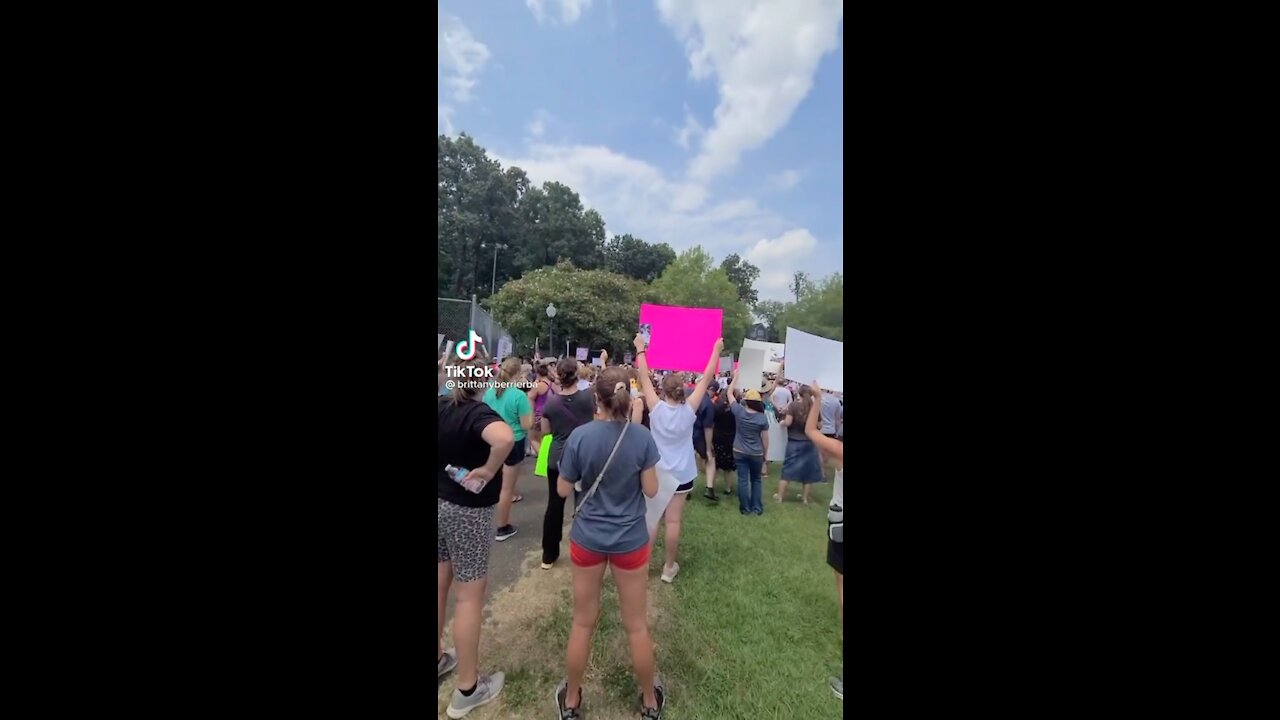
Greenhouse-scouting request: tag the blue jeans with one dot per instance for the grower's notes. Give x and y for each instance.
(749, 482)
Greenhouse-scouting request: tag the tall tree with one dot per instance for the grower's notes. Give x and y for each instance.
(635, 258)
(800, 284)
(744, 275)
(557, 227)
(477, 204)
(693, 281)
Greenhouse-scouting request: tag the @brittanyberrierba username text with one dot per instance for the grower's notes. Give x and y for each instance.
(486, 384)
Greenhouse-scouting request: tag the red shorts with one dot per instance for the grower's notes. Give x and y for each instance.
(633, 560)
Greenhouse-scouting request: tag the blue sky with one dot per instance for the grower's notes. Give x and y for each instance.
(692, 122)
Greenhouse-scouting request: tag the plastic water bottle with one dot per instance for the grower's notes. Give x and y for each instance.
(459, 476)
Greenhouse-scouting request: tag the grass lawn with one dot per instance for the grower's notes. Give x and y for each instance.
(749, 629)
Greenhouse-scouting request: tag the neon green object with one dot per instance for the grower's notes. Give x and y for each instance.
(544, 453)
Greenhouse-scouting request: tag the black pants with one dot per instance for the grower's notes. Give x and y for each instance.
(553, 519)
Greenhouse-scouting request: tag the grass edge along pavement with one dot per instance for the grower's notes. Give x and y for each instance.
(749, 629)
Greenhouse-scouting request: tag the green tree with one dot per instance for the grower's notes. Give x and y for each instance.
(819, 312)
(477, 204)
(635, 258)
(594, 308)
(769, 311)
(744, 275)
(693, 281)
(556, 227)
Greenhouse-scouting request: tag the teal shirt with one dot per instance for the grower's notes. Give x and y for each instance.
(510, 406)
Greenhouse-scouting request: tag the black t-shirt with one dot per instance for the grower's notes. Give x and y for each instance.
(726, 424)
(705, 417)
(565, 413)
(461, 444)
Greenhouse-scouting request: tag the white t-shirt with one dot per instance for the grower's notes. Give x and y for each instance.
(781, 397)
(584, 385)
(837, 495)
(672, 430)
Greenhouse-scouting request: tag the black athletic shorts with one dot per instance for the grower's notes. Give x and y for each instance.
(835, 555)
(517, 454)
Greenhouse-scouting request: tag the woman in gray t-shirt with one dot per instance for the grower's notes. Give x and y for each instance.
(750, 448)
(609, 529)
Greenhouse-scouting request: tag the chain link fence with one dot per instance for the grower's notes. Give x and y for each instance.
(456, 317)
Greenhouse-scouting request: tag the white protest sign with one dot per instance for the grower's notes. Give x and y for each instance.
(773, 353)
(726, 363)
(598, 362)
(750, 369)
(504, 347)
(582, 354)
(777, 440)
(813, 357)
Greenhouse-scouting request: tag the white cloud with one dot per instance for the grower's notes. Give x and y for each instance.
(636, 197)
(691, 131)
(538, 125)
(460, 58)
(763, 53)
(791, 244)
(786, 179)
(570, 10)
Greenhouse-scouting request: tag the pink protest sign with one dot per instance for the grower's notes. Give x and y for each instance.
(681, 338)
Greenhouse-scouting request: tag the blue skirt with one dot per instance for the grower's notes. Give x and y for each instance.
(802, 463)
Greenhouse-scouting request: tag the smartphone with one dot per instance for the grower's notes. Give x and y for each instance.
(646, 333)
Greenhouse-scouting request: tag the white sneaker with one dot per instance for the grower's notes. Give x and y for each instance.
(669, 573)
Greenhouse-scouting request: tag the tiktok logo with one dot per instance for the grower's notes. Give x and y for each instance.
(467, 348)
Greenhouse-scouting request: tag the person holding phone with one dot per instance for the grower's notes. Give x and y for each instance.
(474, 437)
(671, 421)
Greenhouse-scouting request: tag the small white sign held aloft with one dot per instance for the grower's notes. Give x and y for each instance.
(773, 353)
(750, 369)
(813, 357)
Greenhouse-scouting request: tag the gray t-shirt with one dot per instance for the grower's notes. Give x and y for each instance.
(830, 406)
(612, 520)
(747, 440)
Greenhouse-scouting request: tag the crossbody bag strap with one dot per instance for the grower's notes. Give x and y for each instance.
(578, 505)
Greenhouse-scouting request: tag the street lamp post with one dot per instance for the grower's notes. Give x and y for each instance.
(493, 279)
(551, 313)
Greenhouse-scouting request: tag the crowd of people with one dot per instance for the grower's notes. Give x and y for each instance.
(627, 442)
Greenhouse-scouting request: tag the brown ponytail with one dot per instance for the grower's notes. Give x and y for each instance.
(510, 369)
(613, 393)
(567, 372)
(673, 387)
